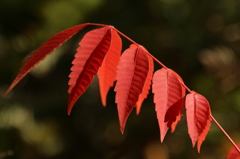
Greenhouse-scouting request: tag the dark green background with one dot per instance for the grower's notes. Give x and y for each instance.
(200, 40)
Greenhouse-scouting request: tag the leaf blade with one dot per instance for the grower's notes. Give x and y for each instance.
(167, 92)
(44, 50)
(89, 56)
(131, 75)
(198, 117)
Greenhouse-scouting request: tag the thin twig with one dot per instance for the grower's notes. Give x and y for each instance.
(224, 132)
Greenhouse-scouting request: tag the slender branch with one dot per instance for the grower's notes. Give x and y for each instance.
(224, 132)
(183, 84)
(125, 36)
(154, 58)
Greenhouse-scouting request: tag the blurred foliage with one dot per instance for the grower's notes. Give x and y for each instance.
(198, 39)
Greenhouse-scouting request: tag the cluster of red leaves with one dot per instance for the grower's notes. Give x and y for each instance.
(99, 52)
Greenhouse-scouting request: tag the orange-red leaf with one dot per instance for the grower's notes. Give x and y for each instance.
(233, 153)
(168, 97)
(198, 117)
(132, 72)
(44, 50)
(107, 71)
(90, 54)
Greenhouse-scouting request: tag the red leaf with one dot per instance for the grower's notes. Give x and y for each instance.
(233, 153)
(168, 96)
(44, 50)
(107, 72)
(132, 72)
(90, 54)
(198, 117)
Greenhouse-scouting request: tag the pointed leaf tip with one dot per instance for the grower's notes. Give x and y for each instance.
(69, 109)
(123, 115)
